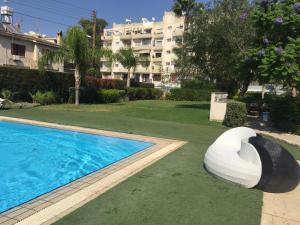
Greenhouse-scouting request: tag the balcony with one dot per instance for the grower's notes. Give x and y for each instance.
(158, 59)
(178, 33)
(157, 47)
(141, 36)
(141, 47)
(157, 69)
(105, 69)
(141, 69)
(158, 35)
(144, 58)
(106, 38)
(126, 37)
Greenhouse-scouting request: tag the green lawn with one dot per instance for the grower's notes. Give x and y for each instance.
(175, 190)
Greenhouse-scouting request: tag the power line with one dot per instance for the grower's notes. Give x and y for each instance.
(46, 20)
(39, 8)
(70, 4)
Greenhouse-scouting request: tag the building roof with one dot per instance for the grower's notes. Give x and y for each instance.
(9, 30)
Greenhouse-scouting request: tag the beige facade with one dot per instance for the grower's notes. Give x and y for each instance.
(23, 51)
(152, 41)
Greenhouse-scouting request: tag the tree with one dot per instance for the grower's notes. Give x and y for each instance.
(87, 26)
(128, 60)
(217, 38)
(75, 48)
(184, 8)
(275, 52)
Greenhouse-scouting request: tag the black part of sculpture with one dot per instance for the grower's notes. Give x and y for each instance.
(280, 171)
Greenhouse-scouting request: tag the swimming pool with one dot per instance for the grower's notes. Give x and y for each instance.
(36, 160)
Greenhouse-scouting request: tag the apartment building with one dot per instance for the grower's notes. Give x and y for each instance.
(24, 50)
(152, 41)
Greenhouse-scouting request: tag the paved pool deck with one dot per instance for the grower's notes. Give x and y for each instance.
(51, 207)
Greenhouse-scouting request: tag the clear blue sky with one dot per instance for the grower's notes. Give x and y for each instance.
(68, 12)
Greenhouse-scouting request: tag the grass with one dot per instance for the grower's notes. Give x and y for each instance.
(175, 190)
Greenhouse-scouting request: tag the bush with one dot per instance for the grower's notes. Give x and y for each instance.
(110, 96)
(285, 113)
(197, 85)
(86, 95)
(98, 83)
(45, 98)
(6, 94)
(136, 84)
(179, 94)
(143, 93)
(21, 82)
(236, 114)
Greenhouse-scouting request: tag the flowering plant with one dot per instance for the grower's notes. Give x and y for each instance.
(275, 54)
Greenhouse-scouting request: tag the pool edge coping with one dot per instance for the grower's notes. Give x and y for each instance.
(117, 173)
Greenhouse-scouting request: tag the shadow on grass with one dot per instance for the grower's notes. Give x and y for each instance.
(203, 106)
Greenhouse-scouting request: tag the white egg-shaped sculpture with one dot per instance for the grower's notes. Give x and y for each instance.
(231, 157)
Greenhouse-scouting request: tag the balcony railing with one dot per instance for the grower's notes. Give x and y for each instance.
(157, 59)
(126, 37)
(106, 38)
(144, 58)
(157, 47)
(178, 33)
(141, 47)
(158, 35)
(140, 36)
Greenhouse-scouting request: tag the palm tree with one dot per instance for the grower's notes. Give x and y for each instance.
(184, 8)
(109, 56)
(128, 60)
(75, 48)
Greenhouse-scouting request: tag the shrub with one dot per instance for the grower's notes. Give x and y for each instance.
(143, 93)
(110, 96)
(197, 85)
(45, 98)
(86, 95)
(285, 113)
(21, 82)
(236, 114)
(179, 94)
(6, 94)
(137, 84)
(98, 83)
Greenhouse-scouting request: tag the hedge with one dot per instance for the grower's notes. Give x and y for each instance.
(143, 93)
(197, 85)
(179, 94)
(98, 83)
(86, 95)
(136, 84)
(23, 82)
(110, 96)
(236, 114)
(285, 113)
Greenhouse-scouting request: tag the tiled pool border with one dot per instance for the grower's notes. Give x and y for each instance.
(51, 207)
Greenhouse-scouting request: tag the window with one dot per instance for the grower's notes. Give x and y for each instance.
(158, 42)
(169, 39)
(169, 52)
(18, 49)
(169, 27)
(158, 55)
(116, 65)
(117, 43)
(168, 63)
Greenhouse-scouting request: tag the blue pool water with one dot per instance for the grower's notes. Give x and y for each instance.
(36, 160)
